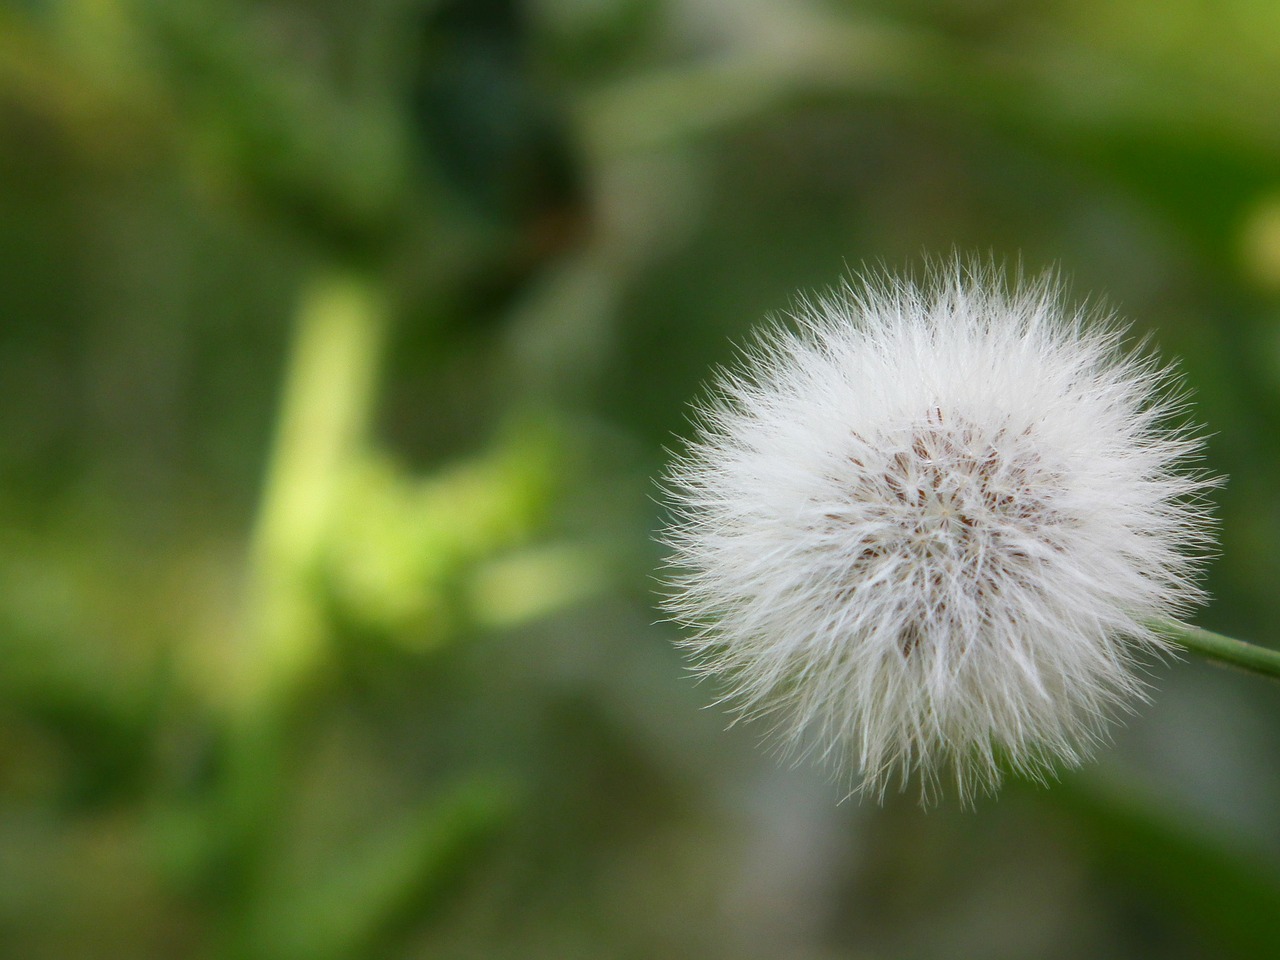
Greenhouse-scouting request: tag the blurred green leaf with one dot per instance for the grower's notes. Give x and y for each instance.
(485, 119)
(331, 162)
(400, 546)
(1231, 896)
(372, 895)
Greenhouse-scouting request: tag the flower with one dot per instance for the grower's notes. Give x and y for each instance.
(927, 529)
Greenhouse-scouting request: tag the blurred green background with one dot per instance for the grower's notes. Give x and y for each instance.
(339, 344)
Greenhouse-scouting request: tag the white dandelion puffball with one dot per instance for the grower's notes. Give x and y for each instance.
(926, 530)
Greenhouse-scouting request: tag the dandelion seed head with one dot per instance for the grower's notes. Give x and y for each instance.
(923, 530)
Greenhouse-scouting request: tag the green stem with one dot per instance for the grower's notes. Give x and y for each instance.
(1222, 649)
(326, 404)
(325, 411)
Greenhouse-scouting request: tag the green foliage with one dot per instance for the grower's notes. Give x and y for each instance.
(338, 344)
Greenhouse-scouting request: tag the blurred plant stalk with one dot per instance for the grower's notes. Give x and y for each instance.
(326, 404)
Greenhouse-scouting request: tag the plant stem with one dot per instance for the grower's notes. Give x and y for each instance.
(327, 402)
(1222, 649)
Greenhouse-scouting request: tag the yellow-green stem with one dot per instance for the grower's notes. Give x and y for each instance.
(327, 402)
(327, 399)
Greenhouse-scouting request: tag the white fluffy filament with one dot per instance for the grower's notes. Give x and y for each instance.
(923, 530)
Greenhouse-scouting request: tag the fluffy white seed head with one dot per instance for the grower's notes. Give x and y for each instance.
(925, 528)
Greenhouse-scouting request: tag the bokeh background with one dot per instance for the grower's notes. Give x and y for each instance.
(339, 346)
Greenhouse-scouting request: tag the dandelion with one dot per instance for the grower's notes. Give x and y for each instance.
(927, 530)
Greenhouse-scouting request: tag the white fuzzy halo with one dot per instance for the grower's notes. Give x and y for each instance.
(927, 528)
